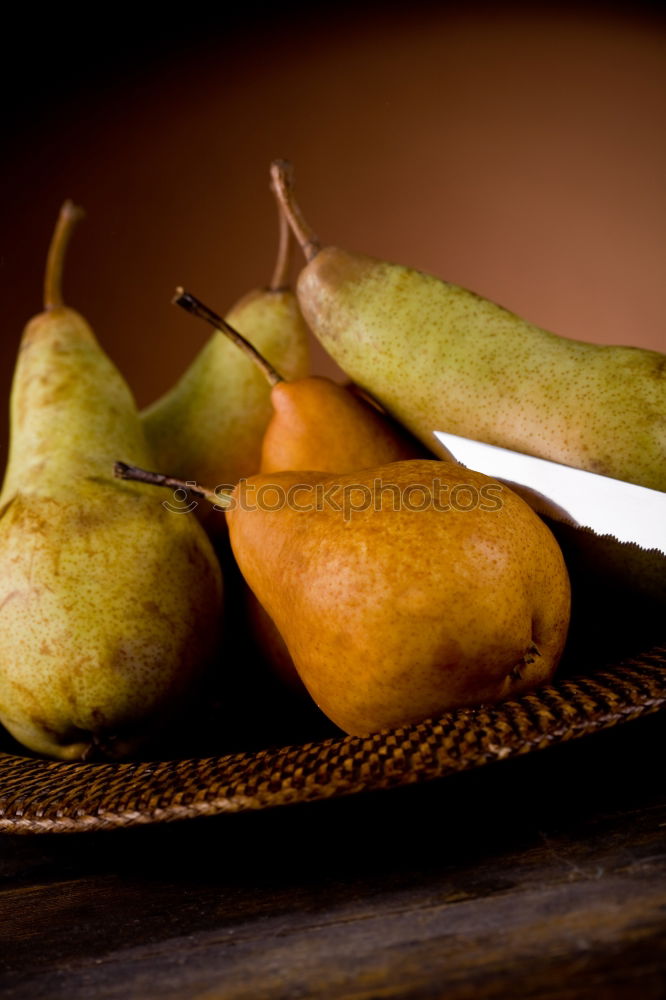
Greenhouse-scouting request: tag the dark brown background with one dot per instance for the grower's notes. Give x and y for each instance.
(520, 153)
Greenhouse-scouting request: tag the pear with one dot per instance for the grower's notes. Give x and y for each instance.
(320, 425)
(209, 426)
(439, 357)
(316, 423)
(109, 603)
(270, 645)
(404, 590)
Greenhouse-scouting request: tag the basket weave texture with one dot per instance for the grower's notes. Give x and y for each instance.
(39, 796)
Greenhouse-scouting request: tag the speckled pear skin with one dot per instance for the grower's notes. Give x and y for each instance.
(109, 603)
(439, 357)
(320, 425)
(271, 645)
(393, 616)
(209, 426)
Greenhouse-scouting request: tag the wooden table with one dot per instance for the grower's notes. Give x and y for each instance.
(539, 877)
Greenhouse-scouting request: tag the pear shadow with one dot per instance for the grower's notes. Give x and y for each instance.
(618, 598)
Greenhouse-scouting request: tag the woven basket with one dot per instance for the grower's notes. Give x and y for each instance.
(39, 796)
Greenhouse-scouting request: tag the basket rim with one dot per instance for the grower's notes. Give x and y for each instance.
(51, 796)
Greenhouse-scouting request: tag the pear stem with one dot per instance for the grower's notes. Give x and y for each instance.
(283, 188)
(55, 261)
(135, 473)
(280, 279)
(190, 303)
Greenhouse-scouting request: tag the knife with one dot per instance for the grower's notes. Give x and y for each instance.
(629, 513)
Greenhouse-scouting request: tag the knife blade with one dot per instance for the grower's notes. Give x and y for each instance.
(606, 506)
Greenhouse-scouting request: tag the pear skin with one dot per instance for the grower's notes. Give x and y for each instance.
(270, 644)
(109, 610)
(109, 603)
(439, 357)
(393, 613)
(320, 425)
(315, 424)
(210, 426)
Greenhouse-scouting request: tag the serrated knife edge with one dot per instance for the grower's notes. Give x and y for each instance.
(605, 506)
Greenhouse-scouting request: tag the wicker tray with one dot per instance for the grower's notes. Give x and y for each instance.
(39, 796)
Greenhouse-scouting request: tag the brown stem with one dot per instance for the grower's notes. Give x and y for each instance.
(283, 188)
(280, 279)
(190, 303)
(55, 261)
(133, 472)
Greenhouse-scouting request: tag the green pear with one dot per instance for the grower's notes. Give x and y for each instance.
(109, 603)
(209, 426)
(439, 357)
(404, 590)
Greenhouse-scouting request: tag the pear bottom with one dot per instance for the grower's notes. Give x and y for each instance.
(397, 604)
(110, 608)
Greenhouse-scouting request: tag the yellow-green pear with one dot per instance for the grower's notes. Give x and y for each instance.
(439, 357)
(109, 603)
(209, 426)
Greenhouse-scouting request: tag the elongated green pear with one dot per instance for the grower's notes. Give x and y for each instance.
(209, 426)
(439, 357)
(109, 603)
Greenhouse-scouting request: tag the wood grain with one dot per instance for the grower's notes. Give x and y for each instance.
(538, 877)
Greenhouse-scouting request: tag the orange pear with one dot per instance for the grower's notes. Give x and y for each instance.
(316, 424)
(403, 590)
